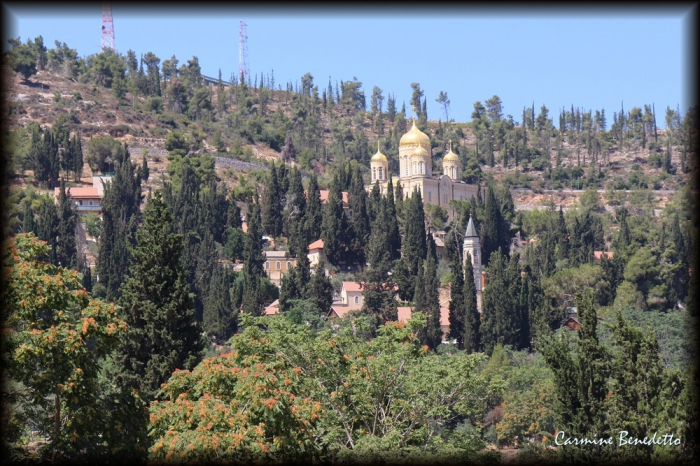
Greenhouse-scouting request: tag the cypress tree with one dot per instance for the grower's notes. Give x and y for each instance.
(120, 213)
(334, 226)
(313, 217)
(403, 281)
(433, 330)
(28, 221)
(289, 290)
(420, 302)
(66, 252)
(220, 316)
(491, 225)
(47, 228)
(562, 237)
(253, 263)
(392, 223)
(271, 207)
(472, 318)
(374, 202)
(414, 244)
(320, 290)
(457, 304)
(359, 219)
(156, 304)
(499, 325)
(303, 270)
(378, 289)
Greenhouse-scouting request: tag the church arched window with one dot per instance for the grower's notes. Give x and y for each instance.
(381, 173)
(422, 167)
(374, 174)
(454, 173)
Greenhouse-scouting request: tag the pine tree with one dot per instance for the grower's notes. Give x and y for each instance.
(253, 263)
(155, 302)
(472, 318)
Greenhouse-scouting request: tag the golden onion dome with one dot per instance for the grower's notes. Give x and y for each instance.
(419, 152)
(378, 157)
(451, 156)
(415, 136)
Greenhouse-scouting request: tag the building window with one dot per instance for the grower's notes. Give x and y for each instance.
(80, 202)
(381, 173)
(357, 300)
(90, 202)
(406, 167)
(422, 168)
(267, 266)
(289, 265)
(445, 199)
(279, 265)
(374, 174)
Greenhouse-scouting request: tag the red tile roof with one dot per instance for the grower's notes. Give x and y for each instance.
(598, 254)
(324, 193)
(404, 313)
(80, 193)
(340, 310)
(352, 286)
(318, 244)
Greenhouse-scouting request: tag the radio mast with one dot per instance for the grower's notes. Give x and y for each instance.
(108, 27)
(243, 68)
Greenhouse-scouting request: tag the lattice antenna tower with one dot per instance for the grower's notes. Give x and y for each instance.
(108, 27)
(243, 68)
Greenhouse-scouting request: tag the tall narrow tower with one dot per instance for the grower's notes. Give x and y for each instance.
(108, 27)
(472, 245)
(243, 69)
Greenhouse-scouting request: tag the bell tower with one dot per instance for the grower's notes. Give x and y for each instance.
(472, 245)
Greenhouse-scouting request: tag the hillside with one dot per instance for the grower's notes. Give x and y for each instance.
(144, 123)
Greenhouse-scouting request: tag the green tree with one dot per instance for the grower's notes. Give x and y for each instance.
(334, 228)
(66, 252)
(220, 315)
(254, 259)
(120, 215)
(415, 247)
(500, 324)
(472, 317)
(157, 306)
(456, 307)
(49, 361)
(21, 59)
(272, 207)
(320, 290)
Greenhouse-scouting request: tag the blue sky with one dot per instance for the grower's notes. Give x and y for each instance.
(592, 58)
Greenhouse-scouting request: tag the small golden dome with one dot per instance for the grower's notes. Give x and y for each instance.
(419, 152)
(451, 156)
(415, 136)
(378, 157)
